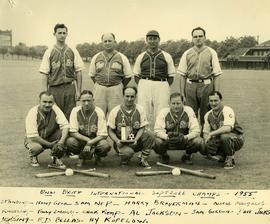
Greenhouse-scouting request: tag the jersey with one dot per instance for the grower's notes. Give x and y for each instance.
(44, 125)
(133, 120)
(110, 71)
(186, 123)
(199, 65)
(61, 64)
(225, 117)
(154, 66)
(91, 126)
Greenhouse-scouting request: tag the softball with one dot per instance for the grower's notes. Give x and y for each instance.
(176, 171)
(69, 172)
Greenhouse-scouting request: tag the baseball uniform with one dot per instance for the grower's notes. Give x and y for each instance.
(153, 87)
(61, 65)
(47, 126)
(91, 126)
(226, 144)
(199, 67)
(109, 74)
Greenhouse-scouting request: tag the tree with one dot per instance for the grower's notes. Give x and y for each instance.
(227, 46)
(247, 41)
(3, 51)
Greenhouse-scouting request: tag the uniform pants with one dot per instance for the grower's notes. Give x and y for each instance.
(64, 96)
(153, 96)
(76, 146)
(108, 97)
(144, 144)
(226, 144)
(36, 148)
(192, 146)
(197, 97)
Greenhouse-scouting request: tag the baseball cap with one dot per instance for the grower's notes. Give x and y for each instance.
(152, 33)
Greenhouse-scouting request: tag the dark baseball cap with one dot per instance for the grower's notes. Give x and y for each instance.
(152, 33)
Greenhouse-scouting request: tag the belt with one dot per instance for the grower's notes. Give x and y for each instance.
(155, 79)
(205, 81)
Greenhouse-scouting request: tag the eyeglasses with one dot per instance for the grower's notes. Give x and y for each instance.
(199, 36)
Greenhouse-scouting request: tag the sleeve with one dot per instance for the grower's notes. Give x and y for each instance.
(31, 123)
(74, 125)
(160, 125)
(229, 117)
(126, 67)
(206, 127)
(92, 68)
(45, 63)
(143, 117)
(78, 62)
(215, 63)
(137, 65)
(60, 117)
(102, 127)
(111, 118)
(193, 126)
(170, 63)
(182, 67)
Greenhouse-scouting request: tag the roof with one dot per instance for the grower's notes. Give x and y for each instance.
(266, 43)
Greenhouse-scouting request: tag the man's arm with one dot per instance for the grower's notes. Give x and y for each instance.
(217, 83)
(42, 141)
(44, 81)
(64, 136)
(86, 139)
(79, 84)
(139, 134)
(221, 130)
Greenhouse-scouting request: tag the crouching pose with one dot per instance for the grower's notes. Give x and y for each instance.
(46, 128)
(222, 134)
(127, 122)
(88, 130)
(177, 128)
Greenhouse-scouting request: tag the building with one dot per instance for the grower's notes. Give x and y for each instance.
(6, 38)
(257, 57)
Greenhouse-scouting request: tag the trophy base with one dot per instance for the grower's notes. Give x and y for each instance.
(127, 141)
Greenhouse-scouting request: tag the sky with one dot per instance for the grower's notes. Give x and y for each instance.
(32, 21)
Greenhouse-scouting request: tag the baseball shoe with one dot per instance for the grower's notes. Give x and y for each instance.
(187, 159)
(229, 163)
(34, 161)
(144, 164)
(164, 158)
(80, 163)
(58, 163)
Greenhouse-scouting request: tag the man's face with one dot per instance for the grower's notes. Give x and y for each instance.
(215, 102)
(152, 42)
(198, 38)
(176, 104)
(129, 97)
(45, 103)
(108, 42)
(61, 35)
(87, 102)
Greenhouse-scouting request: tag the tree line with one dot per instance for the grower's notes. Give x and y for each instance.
(133, 48)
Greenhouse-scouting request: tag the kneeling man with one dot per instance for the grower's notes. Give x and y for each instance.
(88, 130)
(127, 122)
(46, 127)
(177, 128)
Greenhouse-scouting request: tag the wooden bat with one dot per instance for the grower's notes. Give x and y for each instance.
(87, 173)
(52, 174)
(188, 171)
(152, 173)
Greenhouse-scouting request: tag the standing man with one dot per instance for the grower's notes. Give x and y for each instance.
(200, 73)
(88, 130)
(154, 70)
(61, 70)
(127, 122)
(222, 134)
(110, 71)
(46, 127)
(177, 128)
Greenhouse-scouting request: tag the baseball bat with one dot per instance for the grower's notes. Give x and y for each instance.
(152, 173)
(52, 174)
(188, 171)
(87, 173)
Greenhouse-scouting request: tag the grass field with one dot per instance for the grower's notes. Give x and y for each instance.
(246, 91)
